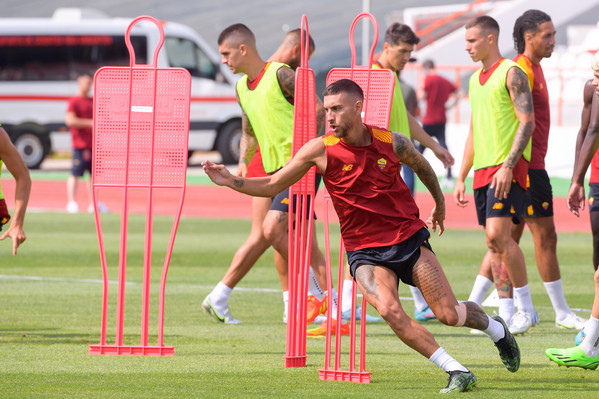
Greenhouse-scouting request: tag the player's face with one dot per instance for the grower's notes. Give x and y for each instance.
(477, 43)
(85, 83)
(231, 55)
(398, 55)
(542, 41)
(343, 111)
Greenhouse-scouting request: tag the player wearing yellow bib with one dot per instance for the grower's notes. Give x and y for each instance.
(498, 146)
(15, 165)
(265, 93)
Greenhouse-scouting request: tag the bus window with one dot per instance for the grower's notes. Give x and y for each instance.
(186, 54)
(63, 57)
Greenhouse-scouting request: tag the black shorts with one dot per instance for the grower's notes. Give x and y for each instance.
(593, 197)
(538, 197)
(487, 206)
(82, 161)
(399, 258)
(281, 201)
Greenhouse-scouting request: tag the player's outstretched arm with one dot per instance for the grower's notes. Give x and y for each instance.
(407, 154)
(459, 191)
(16, 166)
(312, 153)
(519, 89)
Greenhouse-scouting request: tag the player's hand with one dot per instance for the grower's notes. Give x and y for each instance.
(444, 156)
(576, 198)
(219, 174)
(502, 183)
(242, 169)
(18, 236)
(459, 193)
(436, 219)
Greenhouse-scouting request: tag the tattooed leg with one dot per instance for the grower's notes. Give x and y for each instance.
(379, 286)
(430, 279)
(501, 278)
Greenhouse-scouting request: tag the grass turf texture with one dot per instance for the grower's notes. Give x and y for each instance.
(46, 325)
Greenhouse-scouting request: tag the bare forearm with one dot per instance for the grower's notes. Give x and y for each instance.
(521, 140)
(247, 148)
(428, 177)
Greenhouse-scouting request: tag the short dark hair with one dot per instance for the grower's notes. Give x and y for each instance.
(240, 30)
(527, 22)
(428, 64)
(400, 33)
(344, 86)
(295, 38)
(486, 23)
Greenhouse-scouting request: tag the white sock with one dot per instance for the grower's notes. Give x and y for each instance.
(506, 309)
(334, 310)
(481, 287)
(495, 331)
(445, 361)
(419, 301)
(313, 286)
(558, 300)
(219, 297)
(523, 300)
(590, 345)
(286, 301)
(346, 299)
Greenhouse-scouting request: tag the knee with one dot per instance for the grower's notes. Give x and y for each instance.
(454, 317)
(274, 231)
(389, 310)
(549, 241)
(497, 243)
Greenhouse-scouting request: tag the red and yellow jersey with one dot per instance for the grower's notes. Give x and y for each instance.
(540, 101)
(374, 205)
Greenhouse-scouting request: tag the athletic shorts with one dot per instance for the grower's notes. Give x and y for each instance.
(593, 197)
(538, 197)
(4, 215)
(400, 258)
(281, 201)
(487, 206)
(82, 161)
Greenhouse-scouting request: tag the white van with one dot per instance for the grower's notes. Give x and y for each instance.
(40, 58)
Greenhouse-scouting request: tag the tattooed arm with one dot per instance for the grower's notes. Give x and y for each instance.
(247, 145)
(407, 154)
(519, 89)
(286, 78)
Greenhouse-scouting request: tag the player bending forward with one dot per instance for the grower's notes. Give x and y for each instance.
(384, 237)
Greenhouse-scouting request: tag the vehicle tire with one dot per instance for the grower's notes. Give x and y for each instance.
(227, 142)
(33, 143)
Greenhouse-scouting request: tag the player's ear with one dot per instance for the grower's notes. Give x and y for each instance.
(358, 106)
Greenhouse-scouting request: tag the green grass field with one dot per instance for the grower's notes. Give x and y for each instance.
(50, 297)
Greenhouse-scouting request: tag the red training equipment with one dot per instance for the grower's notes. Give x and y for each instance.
(378, 86)
(141, 127)
(301, 222)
